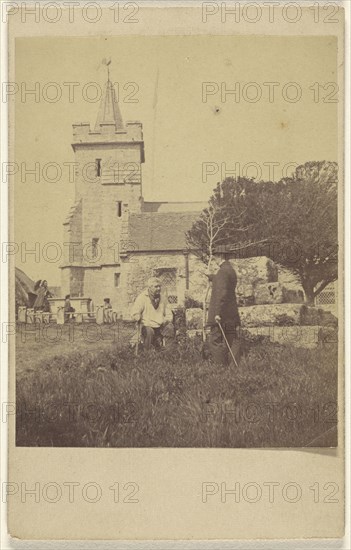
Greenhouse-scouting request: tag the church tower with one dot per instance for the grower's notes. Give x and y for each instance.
(108, 187)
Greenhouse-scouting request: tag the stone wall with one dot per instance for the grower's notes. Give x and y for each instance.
(257, 280)
(95, 216)
(271, 305)
(288, 279)
(141, 266)
(99, 217)
(191, 281)
(250, 273)
(260, 281)
(267, 307)
(72, 281)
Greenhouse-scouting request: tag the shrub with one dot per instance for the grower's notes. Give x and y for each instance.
(191, 302)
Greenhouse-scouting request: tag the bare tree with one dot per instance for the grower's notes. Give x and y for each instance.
(213, 228)
(213, 225)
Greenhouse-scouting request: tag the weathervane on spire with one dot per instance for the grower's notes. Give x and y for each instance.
(107, 61)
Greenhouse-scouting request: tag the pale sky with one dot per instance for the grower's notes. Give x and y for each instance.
(181, 131)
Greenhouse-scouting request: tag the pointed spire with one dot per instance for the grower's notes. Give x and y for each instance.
(109, 110)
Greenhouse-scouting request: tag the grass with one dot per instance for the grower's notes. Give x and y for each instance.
(99, 394)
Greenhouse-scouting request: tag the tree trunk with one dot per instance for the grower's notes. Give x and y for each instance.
(204, 311)
(309, 292)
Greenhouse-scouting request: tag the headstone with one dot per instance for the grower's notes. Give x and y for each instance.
(22, 314)
(245, 294)
(259, 269)
(30, 316)
(99, 315)
(60, 315)
(270, 314)
(293, 295)
(268, 293)
(194, 318)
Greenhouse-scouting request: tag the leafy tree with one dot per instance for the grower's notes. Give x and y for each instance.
(294, 222)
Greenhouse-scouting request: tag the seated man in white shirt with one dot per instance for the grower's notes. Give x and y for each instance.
(150, 309)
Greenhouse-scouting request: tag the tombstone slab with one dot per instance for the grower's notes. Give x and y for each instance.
(270, 314)
(268, 293)
(194, 318)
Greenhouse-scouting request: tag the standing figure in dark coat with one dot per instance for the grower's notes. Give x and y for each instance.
(223, 308)
(41, 303)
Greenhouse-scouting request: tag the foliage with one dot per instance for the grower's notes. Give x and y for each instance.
(293, 222)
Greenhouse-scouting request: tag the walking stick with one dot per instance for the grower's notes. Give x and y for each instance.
(204, 314)
(228, 346)
(138, 338)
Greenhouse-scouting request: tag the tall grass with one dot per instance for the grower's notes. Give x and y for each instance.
(279, 396)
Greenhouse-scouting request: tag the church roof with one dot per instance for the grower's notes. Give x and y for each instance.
(156, 231)
(174, 206)
(109, 110)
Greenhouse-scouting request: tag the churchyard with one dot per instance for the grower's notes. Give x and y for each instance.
(83, 384)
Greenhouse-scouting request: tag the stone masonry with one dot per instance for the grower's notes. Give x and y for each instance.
(268, 309)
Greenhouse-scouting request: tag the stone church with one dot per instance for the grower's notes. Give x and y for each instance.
(114, 239)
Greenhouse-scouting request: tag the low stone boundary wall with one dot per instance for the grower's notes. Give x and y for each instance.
(267, 315)
(292, 324)
(303, 336)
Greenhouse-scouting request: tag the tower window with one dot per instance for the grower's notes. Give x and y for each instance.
(98, 167)
(94, 247)
(117, 279)
(119, 209)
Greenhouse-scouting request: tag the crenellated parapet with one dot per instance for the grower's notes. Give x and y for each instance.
(84, 135)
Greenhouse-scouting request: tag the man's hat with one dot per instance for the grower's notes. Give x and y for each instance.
(221, 249)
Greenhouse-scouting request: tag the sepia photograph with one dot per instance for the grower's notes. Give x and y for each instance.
(175, 188)
(176, 241)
